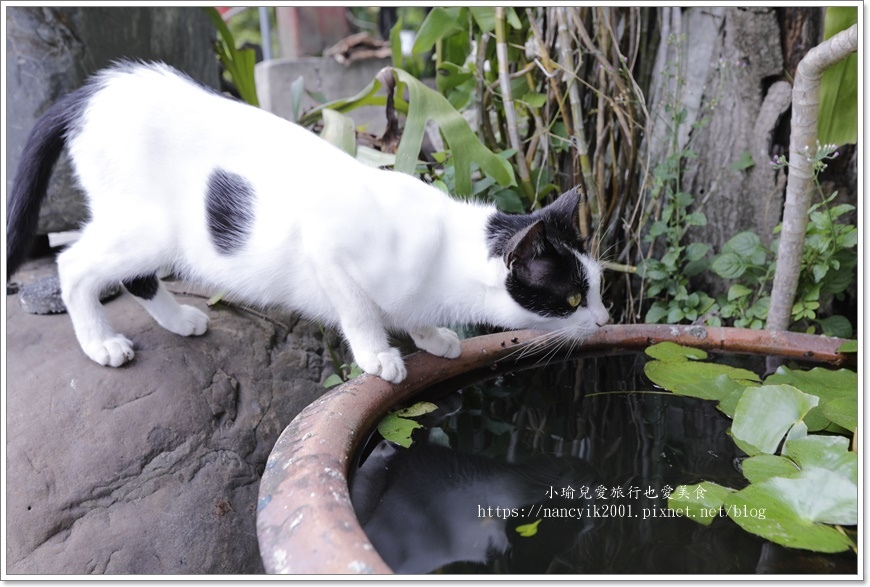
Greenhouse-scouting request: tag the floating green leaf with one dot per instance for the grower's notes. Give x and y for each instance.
(824, 452)
(396, 426)
(789, 511)
(671, 351)
(696, 379)
(764, 415)
(417, 409)
(842, 411)
(528, 530)
(762, 467)
(850, 346)
(826, 384)
(700, 502)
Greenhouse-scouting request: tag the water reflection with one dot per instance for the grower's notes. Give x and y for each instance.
(521, 442)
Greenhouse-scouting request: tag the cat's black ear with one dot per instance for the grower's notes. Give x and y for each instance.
(526, 244)
(564, 213)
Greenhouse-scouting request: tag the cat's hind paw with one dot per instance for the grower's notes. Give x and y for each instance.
(441, 342)
(111, 352)
(387, 365)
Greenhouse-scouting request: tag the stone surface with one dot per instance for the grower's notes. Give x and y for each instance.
(43, 296)
(50, 51)
(153, 467)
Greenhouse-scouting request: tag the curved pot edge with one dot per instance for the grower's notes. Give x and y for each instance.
(305, 520)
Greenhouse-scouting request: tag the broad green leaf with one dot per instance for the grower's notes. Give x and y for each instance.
(730, 390)
(776, 510)
(696, 250)
(528, 530)
(764, 415)
(671, 351)
(700, 503)
(762, 467)
(417, 409)
(728, 265)
(826, 384)
(848, 347)
(655, 314)
(427, 104)
(374, 158)
(397, 429)
(484, 16)
(333, 380)
(838, 93)
(837, 325)
(743, 243)
(738, 291)
(338, 130)
(439, 23)
(824, 452)
(842, 411)
(396, 43)
(695, 379)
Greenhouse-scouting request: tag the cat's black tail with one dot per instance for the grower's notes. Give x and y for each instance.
(41, 152)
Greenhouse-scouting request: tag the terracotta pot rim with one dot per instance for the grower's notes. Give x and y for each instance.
(305, 521)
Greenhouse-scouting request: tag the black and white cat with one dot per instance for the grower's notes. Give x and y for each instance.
(179, 177)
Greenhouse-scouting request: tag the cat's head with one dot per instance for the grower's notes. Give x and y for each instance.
(550, 274)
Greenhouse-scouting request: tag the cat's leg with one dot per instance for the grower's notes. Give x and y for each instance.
(363, 326)
(441, 342)
(152, 294)
(84, 271)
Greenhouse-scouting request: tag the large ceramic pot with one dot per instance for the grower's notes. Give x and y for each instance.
(305, 520)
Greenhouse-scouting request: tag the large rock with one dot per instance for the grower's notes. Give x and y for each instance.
(153, 467)
(50, 51)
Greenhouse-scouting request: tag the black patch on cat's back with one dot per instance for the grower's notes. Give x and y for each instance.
(229, 208)
(143, 286)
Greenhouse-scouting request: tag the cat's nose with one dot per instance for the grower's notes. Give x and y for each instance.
(602, 317)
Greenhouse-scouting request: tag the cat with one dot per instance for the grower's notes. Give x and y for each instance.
(181, 178)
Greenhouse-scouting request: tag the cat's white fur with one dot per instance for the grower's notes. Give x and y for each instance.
(363, 249)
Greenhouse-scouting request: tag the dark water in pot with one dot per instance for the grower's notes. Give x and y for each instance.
(578, 449)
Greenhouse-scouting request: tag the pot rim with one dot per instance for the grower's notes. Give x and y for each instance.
(305, 520)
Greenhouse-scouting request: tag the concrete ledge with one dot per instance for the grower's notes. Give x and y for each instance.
(322, 75)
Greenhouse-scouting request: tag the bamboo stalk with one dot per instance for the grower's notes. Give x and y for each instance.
(508, 101)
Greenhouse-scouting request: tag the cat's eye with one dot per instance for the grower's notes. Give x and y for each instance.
(574, 300)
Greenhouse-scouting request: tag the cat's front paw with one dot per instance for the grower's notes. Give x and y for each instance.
(441, 342)
(188, 321)
(387, 365)
(111, 352)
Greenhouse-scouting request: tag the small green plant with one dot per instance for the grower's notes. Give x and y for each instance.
(803, 487)
(828, 265)
(346, 373)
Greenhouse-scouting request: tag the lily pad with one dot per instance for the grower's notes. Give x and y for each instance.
(824, 452)
(671, 351)
(774, 510)
(842, 411)
(765, 415)
(826, 384)
(696, 379)
(700, 503)
(762, 467)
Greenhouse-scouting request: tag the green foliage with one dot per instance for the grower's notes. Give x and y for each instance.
(347, 372)
(397, 426)
(828, 266)
(803, 486)
(239, 63)
(838, 93)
